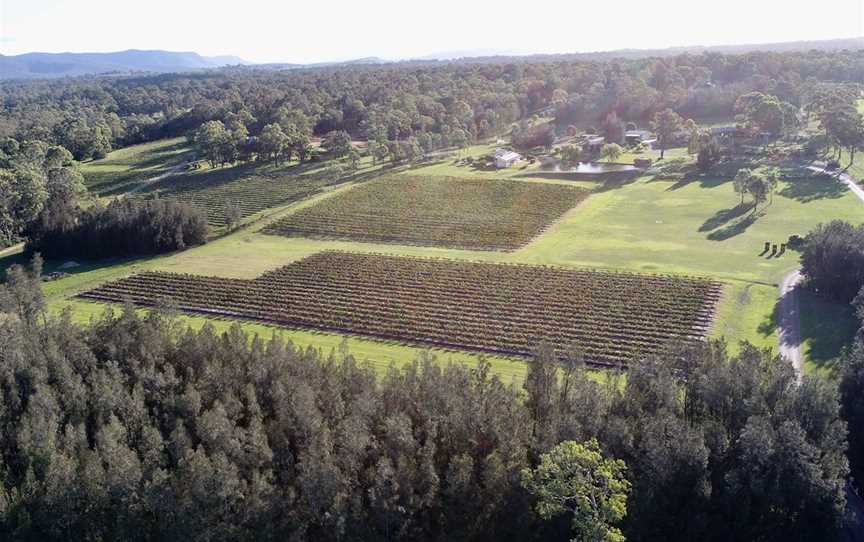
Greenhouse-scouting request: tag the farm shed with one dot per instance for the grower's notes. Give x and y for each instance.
(593, 143)
(634, 137)
(504, 158)
(724, 131)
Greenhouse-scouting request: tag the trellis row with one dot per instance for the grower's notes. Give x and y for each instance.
(436, 211)
(498, 308)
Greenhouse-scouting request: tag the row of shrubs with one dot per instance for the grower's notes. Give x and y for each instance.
(122, 228)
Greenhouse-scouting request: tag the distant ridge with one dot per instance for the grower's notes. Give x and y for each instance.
(40, 65)
(47, 65)
(355, 62)
(486, 54)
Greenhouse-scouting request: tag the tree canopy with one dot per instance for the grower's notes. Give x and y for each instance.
(576, 479)
(138, 428)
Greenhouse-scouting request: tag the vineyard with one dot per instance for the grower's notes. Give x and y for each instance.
(214, 190)
(436, 211)
(498, 308)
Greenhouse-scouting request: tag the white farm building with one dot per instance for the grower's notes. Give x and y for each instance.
(504, 158)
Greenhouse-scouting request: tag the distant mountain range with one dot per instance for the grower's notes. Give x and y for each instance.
(354, 62)
(39, 65)
(45, 65)
(481, 55)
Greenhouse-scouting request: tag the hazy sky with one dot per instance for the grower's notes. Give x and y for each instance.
(295, 31)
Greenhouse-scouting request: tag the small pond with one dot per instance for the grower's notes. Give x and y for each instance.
(589, 168)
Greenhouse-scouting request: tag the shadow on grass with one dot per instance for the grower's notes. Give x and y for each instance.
(772, 323)
(116, 183)
(197, 181)
(52, 265)
(735, 228)
(602, 183)
(825, 326)
(705, 180)
(477, 165)
(9, 260)
(806, 188)
(193, 180)
(828, 326)
(165, 157)
(724, 216)
(211, 178)
(683, 174)
(615, 183)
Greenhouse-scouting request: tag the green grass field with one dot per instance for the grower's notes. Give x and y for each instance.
(693, 228)
(124, 169)
(826, 328)
(159, 169)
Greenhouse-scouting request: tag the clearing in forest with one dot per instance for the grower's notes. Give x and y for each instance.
(125, 170)
(245, 187)
(436, 211)
(161, 168)
(497, 308)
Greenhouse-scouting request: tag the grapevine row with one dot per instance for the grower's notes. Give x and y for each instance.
(501, 308)
(436, 211)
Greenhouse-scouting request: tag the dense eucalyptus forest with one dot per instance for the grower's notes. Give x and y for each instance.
(449, 102)
(137, 428)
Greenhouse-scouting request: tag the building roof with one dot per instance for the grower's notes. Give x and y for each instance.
(724, 129)
(508, 156)
(644, 134)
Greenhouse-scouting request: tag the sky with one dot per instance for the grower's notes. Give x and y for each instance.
(295, 31)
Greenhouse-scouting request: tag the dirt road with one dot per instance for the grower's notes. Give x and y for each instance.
(790, 322)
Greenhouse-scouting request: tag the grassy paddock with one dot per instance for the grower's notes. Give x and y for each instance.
(741, 315)
(124, 169)
(690, 228)
(157, 168)
(826, 328)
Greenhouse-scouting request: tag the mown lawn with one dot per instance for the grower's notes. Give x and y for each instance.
(826, 329)
(124, 169)
(691, 228)
(159, 169)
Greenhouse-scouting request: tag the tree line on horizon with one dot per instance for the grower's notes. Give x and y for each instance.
(91, 115)
(404, 113)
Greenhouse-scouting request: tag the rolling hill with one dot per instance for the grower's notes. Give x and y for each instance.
(41, 65)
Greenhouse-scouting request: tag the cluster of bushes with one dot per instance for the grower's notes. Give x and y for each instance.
(34, 177)
(832, 259)
(125, 227)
